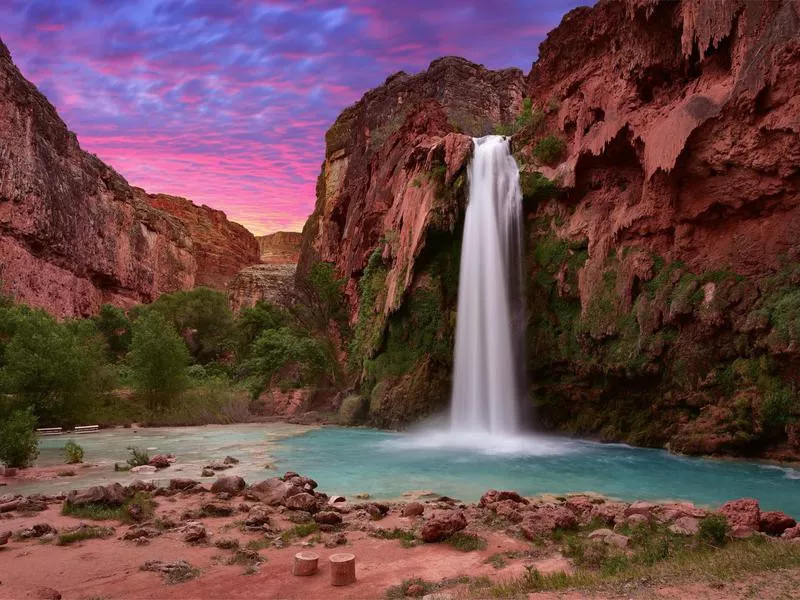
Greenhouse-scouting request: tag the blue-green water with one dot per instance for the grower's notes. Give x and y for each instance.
(347, 461)
(385, 465)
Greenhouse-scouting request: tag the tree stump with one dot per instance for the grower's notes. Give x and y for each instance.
(305, 563)
(343, 569)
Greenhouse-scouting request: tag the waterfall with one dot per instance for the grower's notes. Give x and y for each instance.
(488, 380)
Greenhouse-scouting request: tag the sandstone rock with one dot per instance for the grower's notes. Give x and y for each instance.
(413, 509)
(282, 247)
(36, 531)
(138, 532)
(544, 520)
(609, 537)
(182, 484)
(159, 461)
(195, 533)
(46, 593)
(303, 501)
(207, 473)
(273, 491)
(215, 509)
(272, 283)
(581, 505)
(232, 484)
(608, 511)
(328, 517)
(492, 496)
(218, 465)
(634, 520)
(4, 537)
(508, 510)
(792, 533)
(669, 512)
(442, 526)
(640, 508)
(337, 539)
(144, 469)
(111, 495)
(741, 514)
(775, 523)
(258, 516)
(685, 526)
(415, 591)
(230, 460)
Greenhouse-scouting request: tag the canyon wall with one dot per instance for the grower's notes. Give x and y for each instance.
(73, 235)
(221, 247)
(281, 247)
(660, 164)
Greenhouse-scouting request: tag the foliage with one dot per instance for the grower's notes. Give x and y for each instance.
(530, 118)
(549, 149)
(320, 300)
(713, 530)
(466, 542)
(300, 530)
(114, 325)
(253, 321)
(59, 370)
(139, 457)
(73, 453)
(83, 533)
(144, 503)
(353, 410)
(372, 295)
(203, 315)
(407, 538)
(158, 359)
(536, 187)
(278, 347)
(19, 445)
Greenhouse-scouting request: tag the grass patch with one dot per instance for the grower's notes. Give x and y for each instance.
(257, 545)
(246, 558)
(126, 513)
(300, 530)
(498, 560)
(227, 544)
(181, 574)
(84, 533)
(466, 542)
(407, 538)
(697, 563)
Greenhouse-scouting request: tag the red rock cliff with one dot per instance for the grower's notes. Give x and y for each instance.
(72, 233)
(221, 247)
(281, 247)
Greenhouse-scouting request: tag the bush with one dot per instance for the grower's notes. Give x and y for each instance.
(353, 410)
(73, 453)
(139, 457)
(19, 445)
(115, 326)
(549, 149)
(158, 359)
(713, 530)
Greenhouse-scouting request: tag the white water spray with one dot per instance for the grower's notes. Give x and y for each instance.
(487, 381)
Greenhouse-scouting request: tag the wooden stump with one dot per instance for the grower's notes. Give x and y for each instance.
(343, 569)
(305, 563)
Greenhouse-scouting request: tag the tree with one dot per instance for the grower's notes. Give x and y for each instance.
(252, 322)
(19, 445)
(57, 369)
(115, 326)
(158, 359)
(203, 317)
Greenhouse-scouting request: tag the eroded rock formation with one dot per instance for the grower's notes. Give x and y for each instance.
(222, 248)
(659, 149)
(272, 283)
(281, 247)
(73, 235)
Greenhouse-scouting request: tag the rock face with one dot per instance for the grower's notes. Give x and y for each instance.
(282, 247)
(659, 149)
(271, 282)
(73, 235)
(221, 247)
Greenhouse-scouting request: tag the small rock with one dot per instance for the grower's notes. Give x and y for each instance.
(4, 537)
(328, 517)
(413, 509)
(742, 513)
(218, 465)
(213, 509)
(545, 520)
(640, 508)
(338, 539)
(144, 469)
(363, 496)
(492, 496)
(608, 511)
(775, 522)
(46, 593)
(159, 461)
(232, 484)
(685, 526)
(229, 460)
(443, 526)
(110, 495)
(793, 533)
(138, 532)
(635, 520)
(609, 537)
(36, 531)
(195, 533)
(207, 473)
(415, 591)
(257, 517)
(182, 484)
(303, 501)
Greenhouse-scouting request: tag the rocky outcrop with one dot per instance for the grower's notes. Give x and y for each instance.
(221, 247)
(272, 283)
(73, 235)
(281, 247)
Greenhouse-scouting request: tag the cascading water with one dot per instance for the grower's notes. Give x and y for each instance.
(487, 381)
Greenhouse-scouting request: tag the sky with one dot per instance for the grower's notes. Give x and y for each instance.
(226, 102)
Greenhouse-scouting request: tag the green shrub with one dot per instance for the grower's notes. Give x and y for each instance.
(73, 453)
(83, 533)
(19, 445)
(713, 530)
(407, 538)
(466, 542)
(115, 326)
(549, 149)
(139, 457)
(353, 410)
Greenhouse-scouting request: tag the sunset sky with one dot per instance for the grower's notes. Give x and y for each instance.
(227, 103)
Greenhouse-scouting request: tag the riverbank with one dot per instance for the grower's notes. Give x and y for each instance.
(233, 540)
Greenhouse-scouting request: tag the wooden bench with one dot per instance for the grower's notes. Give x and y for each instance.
(86, 428)
(50, 430)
